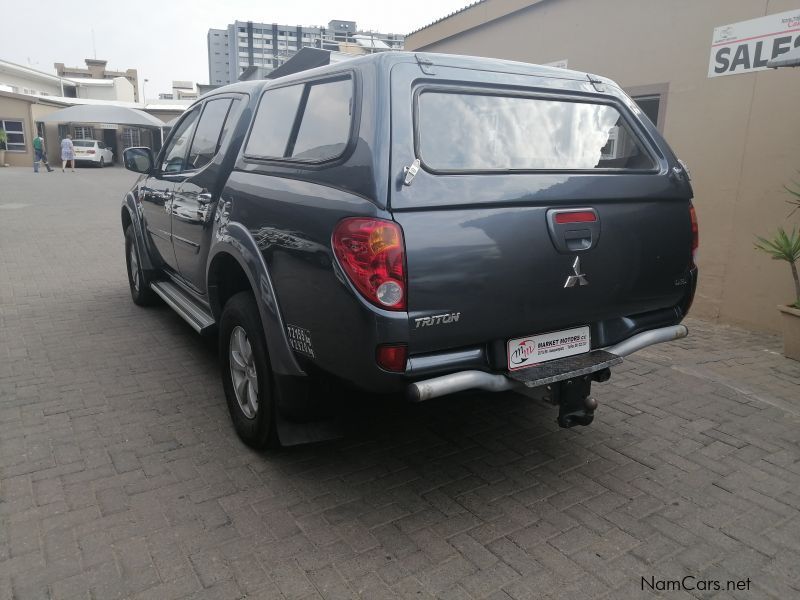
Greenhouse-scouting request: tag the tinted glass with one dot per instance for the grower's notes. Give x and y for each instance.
(480, 132)
(325, 127)
(273, 123)
(230, 121)
(209, 129)
(175, 154)
(83, 143)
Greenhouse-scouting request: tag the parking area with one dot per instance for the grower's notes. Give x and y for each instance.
(121, 476)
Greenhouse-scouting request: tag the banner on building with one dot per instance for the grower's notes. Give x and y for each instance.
(746, 46)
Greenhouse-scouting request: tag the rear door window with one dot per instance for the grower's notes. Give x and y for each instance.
(272, 127)
(492, 132)
(306, 122)
(325, 127)
(209, 130)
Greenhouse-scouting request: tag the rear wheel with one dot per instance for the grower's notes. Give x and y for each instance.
(139, 283)
(246, 373)
(102, 162)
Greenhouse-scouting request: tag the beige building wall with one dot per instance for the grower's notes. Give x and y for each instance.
(739, 134)
(29, 110)
(18, 110)
(51, 139)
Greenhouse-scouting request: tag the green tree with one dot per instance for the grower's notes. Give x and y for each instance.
(786, 247)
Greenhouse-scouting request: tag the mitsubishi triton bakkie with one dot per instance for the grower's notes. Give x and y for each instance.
(418, 223)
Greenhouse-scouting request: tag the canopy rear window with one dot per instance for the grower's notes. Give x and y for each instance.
(463, 131)
(83, 143)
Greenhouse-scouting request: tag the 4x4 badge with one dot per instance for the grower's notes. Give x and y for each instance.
(578, 278)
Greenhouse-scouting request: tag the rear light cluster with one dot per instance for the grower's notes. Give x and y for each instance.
(695, 234)
(372, 254)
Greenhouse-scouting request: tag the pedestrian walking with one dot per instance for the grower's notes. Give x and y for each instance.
(67, 153)
(40, 154)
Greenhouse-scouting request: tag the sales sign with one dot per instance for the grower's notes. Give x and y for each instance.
(746, 46)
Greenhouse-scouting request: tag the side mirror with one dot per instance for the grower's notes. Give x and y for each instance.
(139, 160)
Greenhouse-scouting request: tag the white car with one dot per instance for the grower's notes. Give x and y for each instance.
(93, 151)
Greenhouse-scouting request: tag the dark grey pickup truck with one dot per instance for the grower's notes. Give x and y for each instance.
(414, 222)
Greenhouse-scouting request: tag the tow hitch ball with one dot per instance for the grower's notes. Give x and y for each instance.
(575, 405)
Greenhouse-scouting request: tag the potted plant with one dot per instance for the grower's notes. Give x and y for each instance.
(786, 246)
(3, 140)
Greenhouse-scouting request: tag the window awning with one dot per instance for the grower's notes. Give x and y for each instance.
(101, 113)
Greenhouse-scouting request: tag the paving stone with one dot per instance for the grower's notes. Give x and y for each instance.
(121, 477)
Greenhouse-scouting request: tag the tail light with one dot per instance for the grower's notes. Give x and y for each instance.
(392, 357)
(372, 254)
(695, 234)
(90, 151)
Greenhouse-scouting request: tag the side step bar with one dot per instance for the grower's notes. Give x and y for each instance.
(545, 373)
(187, 307)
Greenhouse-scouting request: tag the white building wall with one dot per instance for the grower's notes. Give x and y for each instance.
(29, 85)
(118, 88)
(124, 90)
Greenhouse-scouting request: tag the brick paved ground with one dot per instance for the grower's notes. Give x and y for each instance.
(120, 475)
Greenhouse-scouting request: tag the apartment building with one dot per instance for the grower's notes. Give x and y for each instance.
(244, 44)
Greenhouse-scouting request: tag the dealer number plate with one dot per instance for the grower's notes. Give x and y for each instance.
(534, 349)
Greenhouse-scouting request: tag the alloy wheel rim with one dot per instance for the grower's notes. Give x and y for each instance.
(134, 268)
(243, 372)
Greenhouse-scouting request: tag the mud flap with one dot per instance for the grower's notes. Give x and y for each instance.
(295, 419)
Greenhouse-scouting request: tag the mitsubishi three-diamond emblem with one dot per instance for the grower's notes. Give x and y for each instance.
(578, 278)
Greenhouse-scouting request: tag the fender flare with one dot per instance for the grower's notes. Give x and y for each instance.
(235, 240)
(135, 215)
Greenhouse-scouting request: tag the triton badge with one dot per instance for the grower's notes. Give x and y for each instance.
(437, 319)
(578, 278)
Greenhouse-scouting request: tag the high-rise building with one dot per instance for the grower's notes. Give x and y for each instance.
(246, 44)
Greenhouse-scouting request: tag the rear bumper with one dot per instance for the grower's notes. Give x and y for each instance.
(496, 382)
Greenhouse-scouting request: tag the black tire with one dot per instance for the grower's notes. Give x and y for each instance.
(102, 162)
(141, 293)
(240, 315)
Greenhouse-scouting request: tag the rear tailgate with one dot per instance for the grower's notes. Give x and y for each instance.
(484, 246)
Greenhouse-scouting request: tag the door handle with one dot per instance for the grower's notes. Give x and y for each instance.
(578, 240)
(204, 207)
